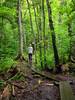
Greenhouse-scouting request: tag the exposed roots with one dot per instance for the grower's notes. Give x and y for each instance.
(20, 57)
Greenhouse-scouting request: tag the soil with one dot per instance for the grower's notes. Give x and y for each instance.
(36, 87)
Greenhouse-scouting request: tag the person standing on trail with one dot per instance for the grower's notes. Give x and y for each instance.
(30, 52)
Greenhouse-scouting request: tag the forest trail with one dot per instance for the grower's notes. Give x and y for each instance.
(28, 70)
(37, 85)
(47, 27)
(24, 67)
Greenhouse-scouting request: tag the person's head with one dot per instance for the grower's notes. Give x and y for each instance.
(30, 45)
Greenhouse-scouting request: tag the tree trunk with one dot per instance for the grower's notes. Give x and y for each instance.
(43, 15)
(56, 57)
(38, 26)
(32, 31)
(70, 31)
(40, 33)
(20, 55)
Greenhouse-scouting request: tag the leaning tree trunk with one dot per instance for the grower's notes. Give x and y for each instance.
(56, 57)
(20, 54)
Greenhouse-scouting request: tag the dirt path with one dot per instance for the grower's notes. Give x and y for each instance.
(37, 87)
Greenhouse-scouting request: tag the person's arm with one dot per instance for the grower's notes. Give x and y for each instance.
(28, 50)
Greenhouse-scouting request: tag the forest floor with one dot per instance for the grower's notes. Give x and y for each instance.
(32, 86)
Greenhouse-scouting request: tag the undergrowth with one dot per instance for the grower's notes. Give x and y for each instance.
(6, 64)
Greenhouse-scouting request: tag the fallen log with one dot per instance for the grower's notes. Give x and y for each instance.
(50, 76)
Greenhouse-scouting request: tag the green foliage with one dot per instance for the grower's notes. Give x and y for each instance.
(63, 13)
(6, 63)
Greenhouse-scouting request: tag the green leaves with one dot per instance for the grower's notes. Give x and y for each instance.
(6, 63)
(63, 13)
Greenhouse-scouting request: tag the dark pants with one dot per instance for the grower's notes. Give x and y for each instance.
(30, 58)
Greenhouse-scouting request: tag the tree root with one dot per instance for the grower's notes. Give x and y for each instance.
(50, 76)
(20, 57)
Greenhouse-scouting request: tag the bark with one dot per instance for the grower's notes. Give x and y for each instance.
(40, 33)
(20, 55)
(56, 57)
(61, 3)
(69, 31)
(37, 31)
(43, 15)
(38, 27)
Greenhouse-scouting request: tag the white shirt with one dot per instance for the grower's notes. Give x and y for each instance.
(30, 50)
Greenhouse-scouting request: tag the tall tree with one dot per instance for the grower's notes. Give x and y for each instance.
(38, 27)
(20, 55)
(43, 16)
(32, 30)
(40, 32)
(56, 57)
